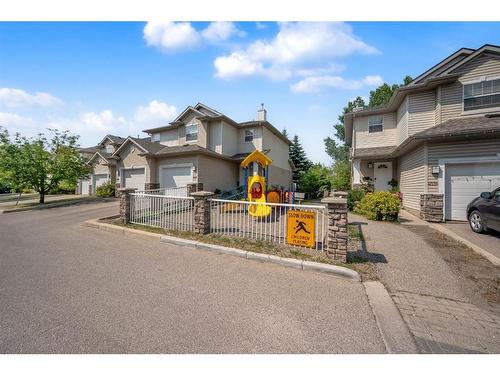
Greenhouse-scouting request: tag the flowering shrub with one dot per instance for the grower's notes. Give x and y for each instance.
(381, 205)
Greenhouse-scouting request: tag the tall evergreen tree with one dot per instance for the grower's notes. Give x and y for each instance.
(285, 133)
(299, 158)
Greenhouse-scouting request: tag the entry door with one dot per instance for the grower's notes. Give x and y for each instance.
(85, 184)
(382, 173)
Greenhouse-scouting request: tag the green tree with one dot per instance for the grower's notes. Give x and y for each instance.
(382, 94)
(316, 180)
(40, 163)
(299, 158)
(285, 133)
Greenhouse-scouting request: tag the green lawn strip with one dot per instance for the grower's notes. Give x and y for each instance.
(241, 243)
(53, 203)
(354, 232)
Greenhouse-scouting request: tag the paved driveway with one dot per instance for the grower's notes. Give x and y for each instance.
(65, 288)
(489, 241)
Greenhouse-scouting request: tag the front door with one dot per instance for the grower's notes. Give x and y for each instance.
(382, 173)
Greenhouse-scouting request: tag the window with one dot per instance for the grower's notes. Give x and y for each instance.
(482, 95)
(191, 132)
(110, 149)
(155, 137)
(375, 124)
(248, 135)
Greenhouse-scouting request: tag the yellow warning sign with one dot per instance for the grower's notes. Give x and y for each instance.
(300, 228)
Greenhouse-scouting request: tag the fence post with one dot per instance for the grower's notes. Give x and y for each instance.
(337, 228)
(151, 185)
(202, 211)
(194, 187)
(124, 195)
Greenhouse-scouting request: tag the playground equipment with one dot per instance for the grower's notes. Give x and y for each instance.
(256, 193)
(255, 168)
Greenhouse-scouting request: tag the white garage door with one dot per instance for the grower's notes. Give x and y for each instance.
(134, 178)
(100, 179)
(175, 177)
(464, 182)
(85, 187)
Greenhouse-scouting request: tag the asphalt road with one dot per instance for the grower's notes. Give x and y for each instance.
(65, 288)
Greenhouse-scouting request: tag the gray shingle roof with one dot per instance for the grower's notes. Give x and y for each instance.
(462, 126)
(150, 147)
(374, 152)
(115, 138)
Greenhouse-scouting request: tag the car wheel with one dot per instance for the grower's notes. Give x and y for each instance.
(476, 221)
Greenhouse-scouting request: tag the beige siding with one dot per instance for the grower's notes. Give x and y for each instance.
(437, 151)
(229, 139)
(215, 136)
(250, 146)
(279, 177)
(402, 120)
(486, 65)
(451, 101)
(170, 137)
(412, 177)
(217, 173)
(387, 137)
(421, 108)
(278, 150)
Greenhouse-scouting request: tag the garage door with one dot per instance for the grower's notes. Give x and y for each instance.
(84, 187)
(100, 179)
(176, 177)
(134, 178)
(464, 182)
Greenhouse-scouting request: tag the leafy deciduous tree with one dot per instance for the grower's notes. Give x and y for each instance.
(316, 180)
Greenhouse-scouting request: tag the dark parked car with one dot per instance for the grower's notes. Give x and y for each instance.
(484, 212)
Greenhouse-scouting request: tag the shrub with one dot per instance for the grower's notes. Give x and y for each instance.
(106, 190)
(316, 180)
(381, 205)
(353, 197)
(64, 187)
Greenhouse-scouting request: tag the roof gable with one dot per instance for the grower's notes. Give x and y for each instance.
(137, 142)
(451, 60)
(487, 48)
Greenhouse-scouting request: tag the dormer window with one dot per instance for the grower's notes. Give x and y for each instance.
(482, 95)
(248, 135)
(110, 149)
(191, 133)
(375, 124)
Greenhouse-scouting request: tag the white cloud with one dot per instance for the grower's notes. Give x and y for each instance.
(220, 31)
(261, 25)
(317, 84)
(19, 98)
(171, 36)
(155, 113)
(296, 44)
(14, 122)
(175, 36)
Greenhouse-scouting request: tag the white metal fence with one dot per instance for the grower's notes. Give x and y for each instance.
(162, 211)
(171, 192)
(231, 217)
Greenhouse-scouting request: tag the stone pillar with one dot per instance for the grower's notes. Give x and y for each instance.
(202, 211)
(194, 187)
(151, 185)
(336, 246)
(431, 207)
(124, 195)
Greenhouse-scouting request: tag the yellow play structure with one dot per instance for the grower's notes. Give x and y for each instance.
(255, 167)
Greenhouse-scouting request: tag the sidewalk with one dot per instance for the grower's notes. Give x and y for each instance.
(445, 292)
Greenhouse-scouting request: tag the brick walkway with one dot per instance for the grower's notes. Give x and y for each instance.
(437, 322)
(447, 312)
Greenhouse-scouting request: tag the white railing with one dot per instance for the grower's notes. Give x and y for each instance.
(171, 192)
(231, 217)
(162, 211)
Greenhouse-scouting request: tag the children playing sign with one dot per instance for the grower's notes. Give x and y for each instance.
(300, 228)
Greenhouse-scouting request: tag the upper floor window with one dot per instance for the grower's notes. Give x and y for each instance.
(482, 95)
(156, 137)
(375, 124)
(248, 135)
(191, 132)
(110, 149)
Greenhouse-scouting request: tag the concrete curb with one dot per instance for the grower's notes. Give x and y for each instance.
(477, 249)
(54, 205)
(395, 333)
(330, 269)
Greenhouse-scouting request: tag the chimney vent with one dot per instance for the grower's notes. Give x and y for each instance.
(262, 113)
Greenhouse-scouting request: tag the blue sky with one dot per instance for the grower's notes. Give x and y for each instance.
(97, 78)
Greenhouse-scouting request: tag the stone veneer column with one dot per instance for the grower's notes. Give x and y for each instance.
(336, 246)
(124, 195)
(151, 185)
(202, 211)
(431, 207)
(194, 187)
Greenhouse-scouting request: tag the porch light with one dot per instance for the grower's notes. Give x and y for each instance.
(435, 169)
